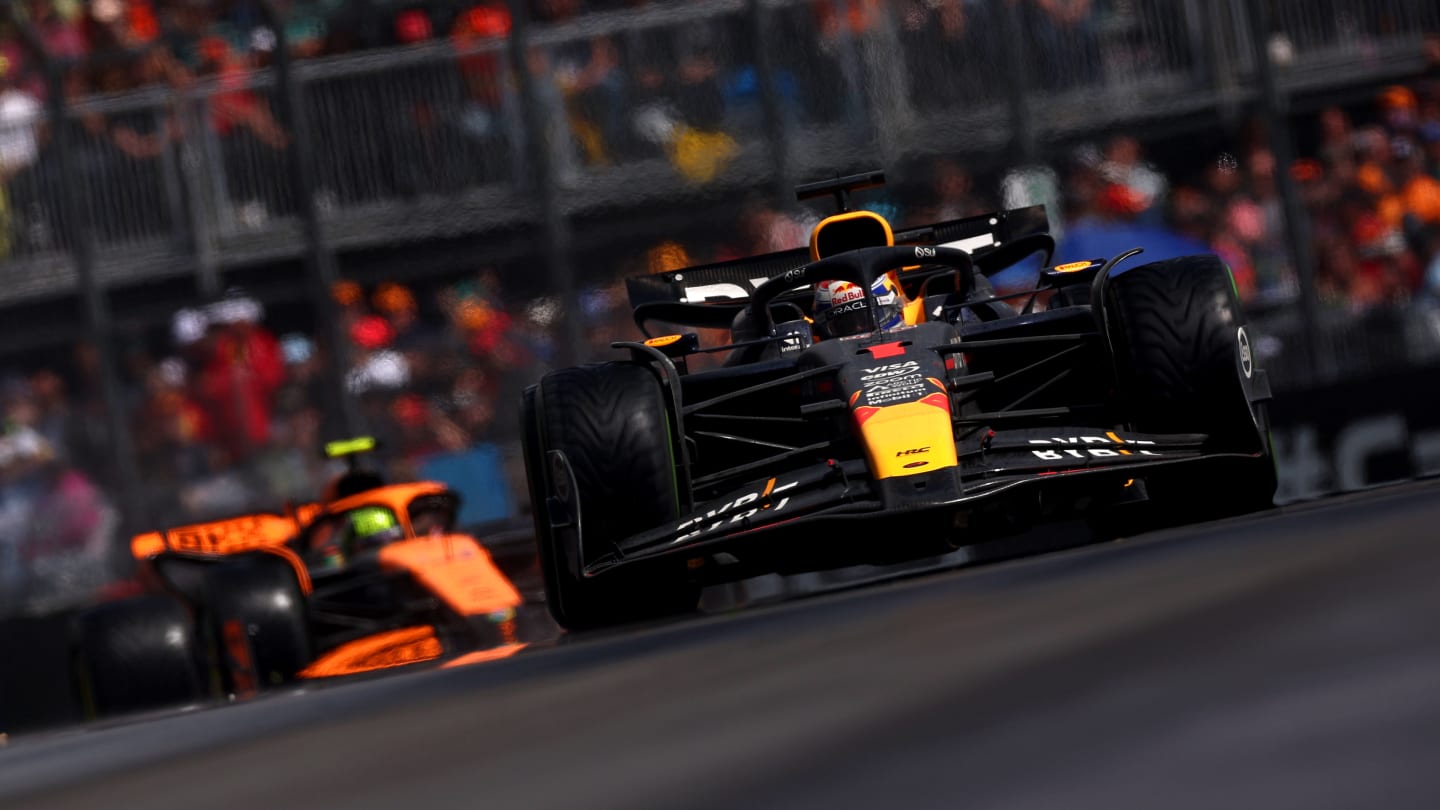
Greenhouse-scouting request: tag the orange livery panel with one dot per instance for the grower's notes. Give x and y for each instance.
(903, 415)
(456, 569)
(393, 648)
(218, 538)
(908, 438)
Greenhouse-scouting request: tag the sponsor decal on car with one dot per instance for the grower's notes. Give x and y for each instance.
(1084, 447)
(1247, 361)
(893, 382)
(737, 509)
(723, 291)
(1088, 452)
(232, 535)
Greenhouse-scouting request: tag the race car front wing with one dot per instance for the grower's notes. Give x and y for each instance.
(989, 464)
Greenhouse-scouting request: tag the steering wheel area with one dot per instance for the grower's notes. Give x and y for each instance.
(860, 267)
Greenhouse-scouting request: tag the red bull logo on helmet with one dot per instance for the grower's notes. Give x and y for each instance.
(841, 306)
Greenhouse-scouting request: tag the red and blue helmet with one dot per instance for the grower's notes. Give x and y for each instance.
(841, 308)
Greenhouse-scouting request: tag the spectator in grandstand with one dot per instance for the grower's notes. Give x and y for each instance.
(1125, 165)
(1192, 212)
(473, 397)
(349, 298)
(1255, 219)
(241, 369)
(305, 25)
(489, 118)
(951, 51)
(587, 72)
(1336, 136)
(1068, 47)
(115, 25)
(291, 468)
(954, 191)
(22, 445)
(648, 57)
(60, 28)
(1417, 200)
(698, 146)
(763, 228)
(20, 115)
(252, 143)
(55, 525)
(170, 427)
(862, 39)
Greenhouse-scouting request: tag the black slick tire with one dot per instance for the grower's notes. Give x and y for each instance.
(1183, 364)
(255, 615)
(611, 422)
(135, 655)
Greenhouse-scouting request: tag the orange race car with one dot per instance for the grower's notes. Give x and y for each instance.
(374, 577)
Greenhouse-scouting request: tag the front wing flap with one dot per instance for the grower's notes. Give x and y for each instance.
(991, 462)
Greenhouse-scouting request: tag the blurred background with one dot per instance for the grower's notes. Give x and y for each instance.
(230, 229)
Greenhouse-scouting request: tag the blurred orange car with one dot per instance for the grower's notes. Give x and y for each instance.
(374, 578)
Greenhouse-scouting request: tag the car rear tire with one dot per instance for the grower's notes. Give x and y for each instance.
(135, 655)
(1183, 364)
(611, 422)
(255, 615)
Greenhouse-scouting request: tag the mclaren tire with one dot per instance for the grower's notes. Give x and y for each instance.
(255, 617)
(135, 655)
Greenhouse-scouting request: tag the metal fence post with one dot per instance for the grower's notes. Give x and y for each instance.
(1219, 50)
(1025, 147)
(769, 101)
(321, 273)
(199, 210)
(556, 227)
(1274, 111)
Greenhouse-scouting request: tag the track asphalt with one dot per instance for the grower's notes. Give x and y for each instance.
(1290, 660)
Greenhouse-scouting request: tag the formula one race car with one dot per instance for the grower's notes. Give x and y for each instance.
(878, 402)
(376, 577)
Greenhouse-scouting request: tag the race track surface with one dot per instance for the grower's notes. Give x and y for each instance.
(1286, 661)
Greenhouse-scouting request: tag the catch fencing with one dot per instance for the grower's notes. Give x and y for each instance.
(427, 141)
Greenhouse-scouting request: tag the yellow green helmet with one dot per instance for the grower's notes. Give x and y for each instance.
(368, 521)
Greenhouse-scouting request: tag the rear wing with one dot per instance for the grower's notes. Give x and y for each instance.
(730, 284)
(222, 537)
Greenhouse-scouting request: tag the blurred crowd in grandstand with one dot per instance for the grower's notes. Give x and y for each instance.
(130, 38)
(687, 90)
(680, 91)
(228, 408)
(227, 416)
(142, 42)
(1369, 179)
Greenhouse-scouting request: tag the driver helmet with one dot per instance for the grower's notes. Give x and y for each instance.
(371, 526)
(353, 482)
(840, 307)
